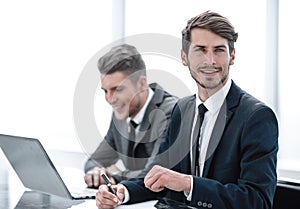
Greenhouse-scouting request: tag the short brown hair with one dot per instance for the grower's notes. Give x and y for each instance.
(213, 22)
(122, 58)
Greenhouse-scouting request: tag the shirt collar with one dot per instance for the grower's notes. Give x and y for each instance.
(214, 102)
(139, 117)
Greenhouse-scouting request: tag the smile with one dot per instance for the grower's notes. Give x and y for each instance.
(209, 71)
(117, 107)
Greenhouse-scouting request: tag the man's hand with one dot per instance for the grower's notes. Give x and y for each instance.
(107, 200)
(159, 178)
(93, 177)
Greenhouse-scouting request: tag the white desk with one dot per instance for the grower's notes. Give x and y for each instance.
(91, 204)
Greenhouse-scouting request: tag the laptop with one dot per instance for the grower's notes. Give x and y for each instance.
(36, 170)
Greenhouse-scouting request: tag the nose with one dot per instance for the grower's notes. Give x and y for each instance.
(110, 98)
(210, 58)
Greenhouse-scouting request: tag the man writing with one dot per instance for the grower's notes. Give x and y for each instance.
(221, 145)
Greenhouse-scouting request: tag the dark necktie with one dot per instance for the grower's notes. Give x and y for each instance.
(131, 138)
(196, 137)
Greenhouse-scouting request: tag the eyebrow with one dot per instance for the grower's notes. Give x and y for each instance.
(218, 46)
(112, 88)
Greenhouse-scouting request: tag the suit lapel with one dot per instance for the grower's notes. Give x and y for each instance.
(226, 112)
(145, 125)
(187, 111)
(121, 127)
(216, 136)
(178, 157)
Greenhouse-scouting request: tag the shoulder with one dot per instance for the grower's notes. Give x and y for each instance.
(183, 106)
(246, 105)
(187, 100)
(237, 97)
(161, 98)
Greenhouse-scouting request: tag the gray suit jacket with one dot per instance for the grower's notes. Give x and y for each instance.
(148, 138)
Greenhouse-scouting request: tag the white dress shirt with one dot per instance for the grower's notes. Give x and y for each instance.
(213, 105)
(139, 117)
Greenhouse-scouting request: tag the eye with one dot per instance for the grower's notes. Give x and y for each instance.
(105, 91)
(119, 89)
(219, 50)
(199, 49)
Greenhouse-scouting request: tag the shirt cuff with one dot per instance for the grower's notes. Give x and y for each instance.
(126, 195)
(189, 194)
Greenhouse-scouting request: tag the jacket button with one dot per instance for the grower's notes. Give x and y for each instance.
(204, 204)
(199, 203)
(209, 205)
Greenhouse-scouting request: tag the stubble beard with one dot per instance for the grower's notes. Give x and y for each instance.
(135, 109)
(210, 87)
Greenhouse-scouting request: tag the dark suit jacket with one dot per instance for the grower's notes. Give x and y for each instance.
(115, 144)
(240, 166)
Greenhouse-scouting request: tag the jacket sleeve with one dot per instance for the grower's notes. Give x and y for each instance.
(105, 154)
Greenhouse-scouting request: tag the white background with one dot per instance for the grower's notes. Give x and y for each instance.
(44, 45)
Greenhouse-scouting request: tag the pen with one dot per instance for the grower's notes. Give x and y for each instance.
(108, 183)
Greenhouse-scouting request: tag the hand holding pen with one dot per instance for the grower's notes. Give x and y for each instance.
(93, 177)
(109, 196)
(108, 183)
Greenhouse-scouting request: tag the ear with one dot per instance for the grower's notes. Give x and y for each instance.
(183, 58)
(142, 83)
(232, 57)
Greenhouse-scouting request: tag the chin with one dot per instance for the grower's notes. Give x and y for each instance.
(120, 116)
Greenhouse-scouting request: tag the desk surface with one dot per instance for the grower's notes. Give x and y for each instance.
(36, 200)
(13, 195)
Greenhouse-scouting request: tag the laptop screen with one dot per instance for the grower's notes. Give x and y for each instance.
(32, 165)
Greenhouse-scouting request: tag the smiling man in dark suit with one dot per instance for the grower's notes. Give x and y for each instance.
(231, 163)
(141, 113)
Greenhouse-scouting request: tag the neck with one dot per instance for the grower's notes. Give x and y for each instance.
(143, 95)
(204, 92)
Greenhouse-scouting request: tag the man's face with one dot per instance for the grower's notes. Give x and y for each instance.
(121, 94)
(208, 59)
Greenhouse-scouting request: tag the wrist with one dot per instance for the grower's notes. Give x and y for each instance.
(188, 194)
(187, 183)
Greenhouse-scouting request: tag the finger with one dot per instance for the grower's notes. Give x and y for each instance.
(88, 180)
(120, 193)
(104, 202)
(157, 186)
(105, 196)
(151, 178)
(102, 205)
(155, 180)
(96, 178)
(112, 180)
(150, 173)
